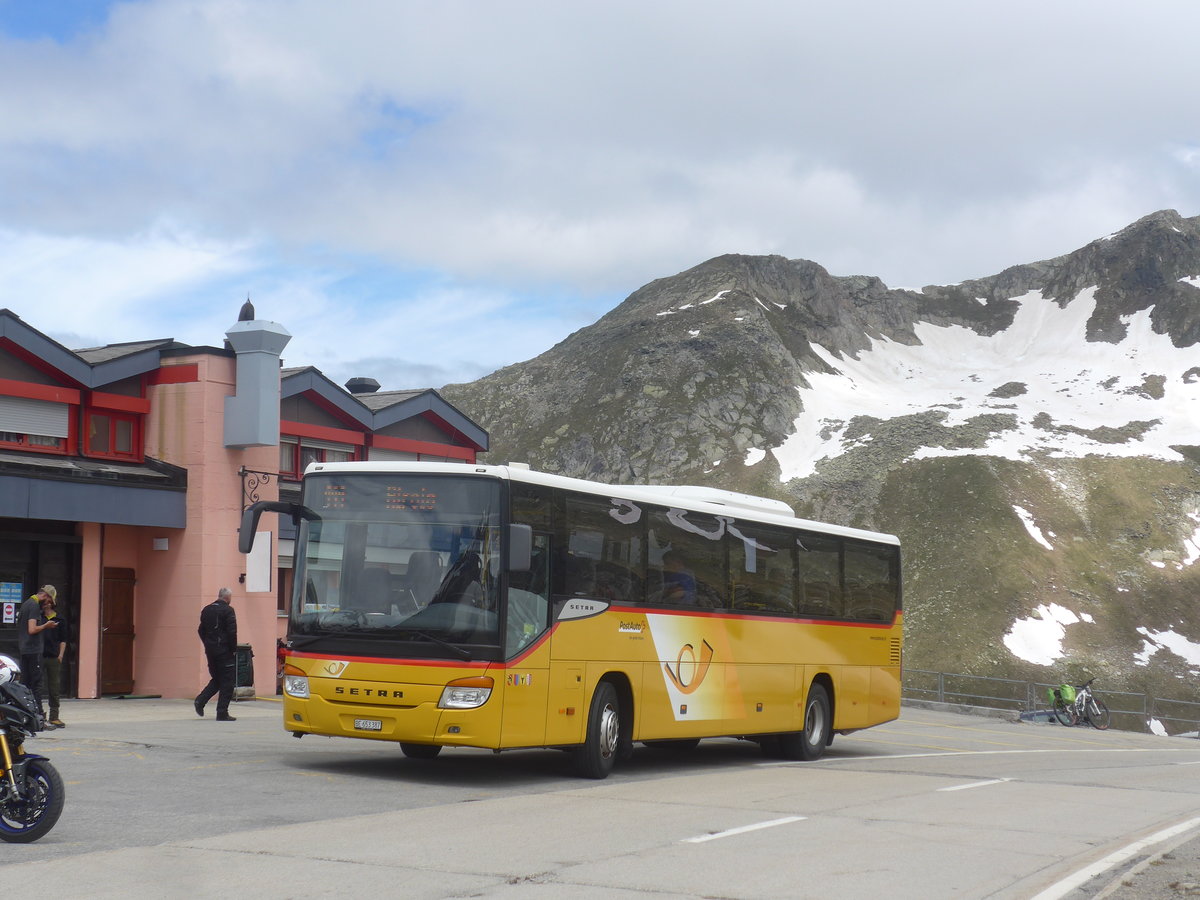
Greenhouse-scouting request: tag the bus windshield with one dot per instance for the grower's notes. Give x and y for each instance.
(406, 557)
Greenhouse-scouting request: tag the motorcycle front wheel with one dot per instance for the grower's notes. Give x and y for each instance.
(29, 816)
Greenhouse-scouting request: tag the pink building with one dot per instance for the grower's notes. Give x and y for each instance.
(124, 471)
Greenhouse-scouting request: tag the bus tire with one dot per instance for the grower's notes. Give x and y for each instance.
(420, 751)
(595, 757)
(809, 743)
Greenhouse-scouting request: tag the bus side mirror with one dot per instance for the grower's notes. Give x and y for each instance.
(520, 548)
(251, 516)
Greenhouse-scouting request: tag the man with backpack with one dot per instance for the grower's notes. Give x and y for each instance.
(218, 633)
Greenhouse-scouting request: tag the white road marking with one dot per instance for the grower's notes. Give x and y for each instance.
(975, 784)
(732, 831)
(866, 758)
(1086, 874)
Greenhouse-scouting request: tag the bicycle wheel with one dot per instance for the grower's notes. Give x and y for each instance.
(1097, 713)
(1064, 713)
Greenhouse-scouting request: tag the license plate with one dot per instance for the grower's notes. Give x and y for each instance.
(368, 724)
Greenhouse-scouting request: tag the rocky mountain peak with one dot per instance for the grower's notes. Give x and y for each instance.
(1032, 436)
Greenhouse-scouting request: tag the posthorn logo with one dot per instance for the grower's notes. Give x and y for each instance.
(690, 669)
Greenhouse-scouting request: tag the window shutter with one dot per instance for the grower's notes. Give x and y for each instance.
(26, 416)
(324, 445)
(380, 454)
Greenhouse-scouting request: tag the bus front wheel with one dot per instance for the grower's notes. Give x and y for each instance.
(595, 757)
(810, 743)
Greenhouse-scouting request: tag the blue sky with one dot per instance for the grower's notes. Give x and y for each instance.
(425, 192)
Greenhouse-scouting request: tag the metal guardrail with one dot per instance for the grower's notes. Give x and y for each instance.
(1130, 712)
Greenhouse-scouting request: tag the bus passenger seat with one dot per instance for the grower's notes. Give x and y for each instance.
(374, 593)
(424, 575)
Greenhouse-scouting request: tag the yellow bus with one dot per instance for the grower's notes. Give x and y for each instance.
(448, 605)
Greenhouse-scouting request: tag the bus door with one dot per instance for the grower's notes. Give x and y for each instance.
(526, 671)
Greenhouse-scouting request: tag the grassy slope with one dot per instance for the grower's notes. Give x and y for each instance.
(972, 568)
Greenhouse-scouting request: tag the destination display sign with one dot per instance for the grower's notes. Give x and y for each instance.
(407, 497)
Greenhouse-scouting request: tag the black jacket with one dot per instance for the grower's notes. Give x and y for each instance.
(52, 639)
(218, 628)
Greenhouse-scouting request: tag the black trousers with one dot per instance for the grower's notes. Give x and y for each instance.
(223, 669)
(31, 676)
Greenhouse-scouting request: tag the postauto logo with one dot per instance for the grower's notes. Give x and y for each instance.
(690, 670)
(689, 651)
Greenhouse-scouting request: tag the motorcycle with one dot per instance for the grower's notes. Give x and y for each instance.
(31, 790)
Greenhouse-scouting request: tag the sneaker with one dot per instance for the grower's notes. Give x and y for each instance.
(199, 707)
(225, 718)
(58, 723)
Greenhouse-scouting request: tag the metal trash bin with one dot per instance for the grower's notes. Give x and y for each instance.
(243, 683)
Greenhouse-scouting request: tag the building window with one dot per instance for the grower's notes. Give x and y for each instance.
(296, 455)
(37, 425)
(112, 434)
(287, 458)
(38, 442)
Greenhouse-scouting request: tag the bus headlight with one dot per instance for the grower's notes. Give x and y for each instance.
(466, 693)
(295, 682)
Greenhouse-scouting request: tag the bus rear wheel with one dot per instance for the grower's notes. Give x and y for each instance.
(810, 743)
(595, 757)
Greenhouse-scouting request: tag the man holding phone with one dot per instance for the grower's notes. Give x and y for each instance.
(29, 641)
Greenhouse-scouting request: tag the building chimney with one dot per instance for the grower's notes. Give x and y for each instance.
(252, 414)
(362, 385)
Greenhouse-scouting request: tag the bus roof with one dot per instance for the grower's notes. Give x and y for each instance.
(712, 501)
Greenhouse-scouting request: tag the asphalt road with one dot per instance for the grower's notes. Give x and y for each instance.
(163, 804)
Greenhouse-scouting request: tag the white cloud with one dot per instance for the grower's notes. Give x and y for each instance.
(89, 285)
(588, 148)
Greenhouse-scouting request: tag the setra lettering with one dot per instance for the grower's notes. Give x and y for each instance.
(379, 693)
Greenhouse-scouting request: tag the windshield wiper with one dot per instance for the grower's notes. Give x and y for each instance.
(458, 651)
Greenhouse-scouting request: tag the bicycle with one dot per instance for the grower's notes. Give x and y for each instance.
(1090, 708)
(1062, 704)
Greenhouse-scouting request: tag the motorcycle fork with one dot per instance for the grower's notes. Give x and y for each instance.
(8, 763)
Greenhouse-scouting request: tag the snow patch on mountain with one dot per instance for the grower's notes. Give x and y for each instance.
(1191, 545)
(1069, 397)
(1034, 532)
(1038, 639)
(754, 456)
(1154, 641)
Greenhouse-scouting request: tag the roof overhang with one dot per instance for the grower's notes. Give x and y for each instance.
(53, 355)
(72, 490)
(333, 397)
(428, 403)
(431, 403)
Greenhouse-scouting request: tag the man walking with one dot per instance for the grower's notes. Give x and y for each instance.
(218, 633)
(30, 640)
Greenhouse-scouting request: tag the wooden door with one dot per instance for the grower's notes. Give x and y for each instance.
(116, 632)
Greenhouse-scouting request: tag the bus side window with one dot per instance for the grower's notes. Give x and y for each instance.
(603, 558)
(761, 569)
(532, 505)
(819, 574)
(687, 563)
(870, 585)
(529, 599)
(581, 576)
